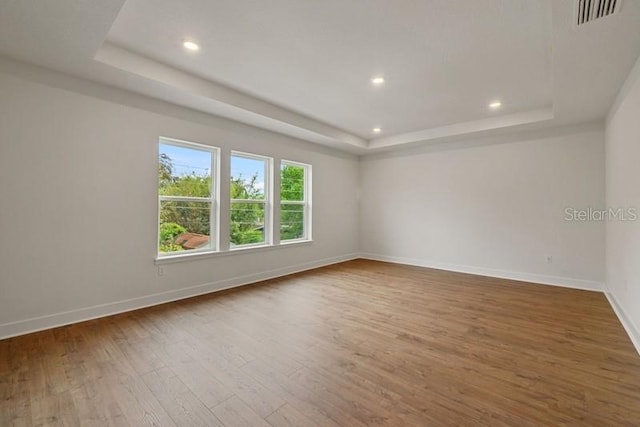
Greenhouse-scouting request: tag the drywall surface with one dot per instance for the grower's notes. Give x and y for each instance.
(623, 192)
(493, 209)
(78, 203)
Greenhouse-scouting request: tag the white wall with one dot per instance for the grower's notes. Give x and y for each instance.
(78, 202)
(623, 190)
(494, 209)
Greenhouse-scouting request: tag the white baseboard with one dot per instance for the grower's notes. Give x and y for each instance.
(21, 327)
(35, 324)
(627, 323)
(566, 282)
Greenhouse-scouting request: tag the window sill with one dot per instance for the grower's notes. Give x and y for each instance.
(235, 251)
(294, 242)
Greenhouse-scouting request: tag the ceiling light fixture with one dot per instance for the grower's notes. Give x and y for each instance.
(377, 80)
(495, 104)
(377, 130)
(189, 45)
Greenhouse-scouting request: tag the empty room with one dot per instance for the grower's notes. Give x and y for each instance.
(319, 213)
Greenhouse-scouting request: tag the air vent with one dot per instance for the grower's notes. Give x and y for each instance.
(590, 10)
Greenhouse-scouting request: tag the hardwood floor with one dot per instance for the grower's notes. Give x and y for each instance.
(354, 344)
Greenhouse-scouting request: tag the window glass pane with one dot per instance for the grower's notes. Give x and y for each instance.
(184, 226)
(292, 182)
(247, 178)
(184, 171)
(247, 223)
(291, 221)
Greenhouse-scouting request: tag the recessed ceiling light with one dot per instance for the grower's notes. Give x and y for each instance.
(377, 130)
(495, 104)
(377, 80)
(193, 46)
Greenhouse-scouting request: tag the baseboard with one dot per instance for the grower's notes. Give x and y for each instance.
(22, 327)
(632, 331)
(566, 282)
(627, 323)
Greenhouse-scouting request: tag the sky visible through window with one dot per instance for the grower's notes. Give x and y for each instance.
(187, 161)
(247, 168)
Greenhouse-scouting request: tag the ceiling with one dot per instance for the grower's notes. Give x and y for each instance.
(304, 68)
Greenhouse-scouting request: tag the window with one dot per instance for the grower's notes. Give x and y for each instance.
(250, 222)
(189, 209)
(295, 201)
(187, 197)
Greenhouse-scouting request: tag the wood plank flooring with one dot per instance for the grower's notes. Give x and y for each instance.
(355, 344)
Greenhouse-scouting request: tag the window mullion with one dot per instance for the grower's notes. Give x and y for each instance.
(185, 199)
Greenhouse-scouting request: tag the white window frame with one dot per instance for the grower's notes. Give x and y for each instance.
(213, 199)
(306, 202)
(267, 201)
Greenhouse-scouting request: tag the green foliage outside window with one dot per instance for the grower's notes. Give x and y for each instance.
(168, 233)
(177, 217)
(291, 190)
(247, 218)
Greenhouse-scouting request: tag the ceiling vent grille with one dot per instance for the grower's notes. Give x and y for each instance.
(590, 10)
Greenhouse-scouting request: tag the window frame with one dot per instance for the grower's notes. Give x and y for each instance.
(306, 202)
(213, 199)
(267, 201)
